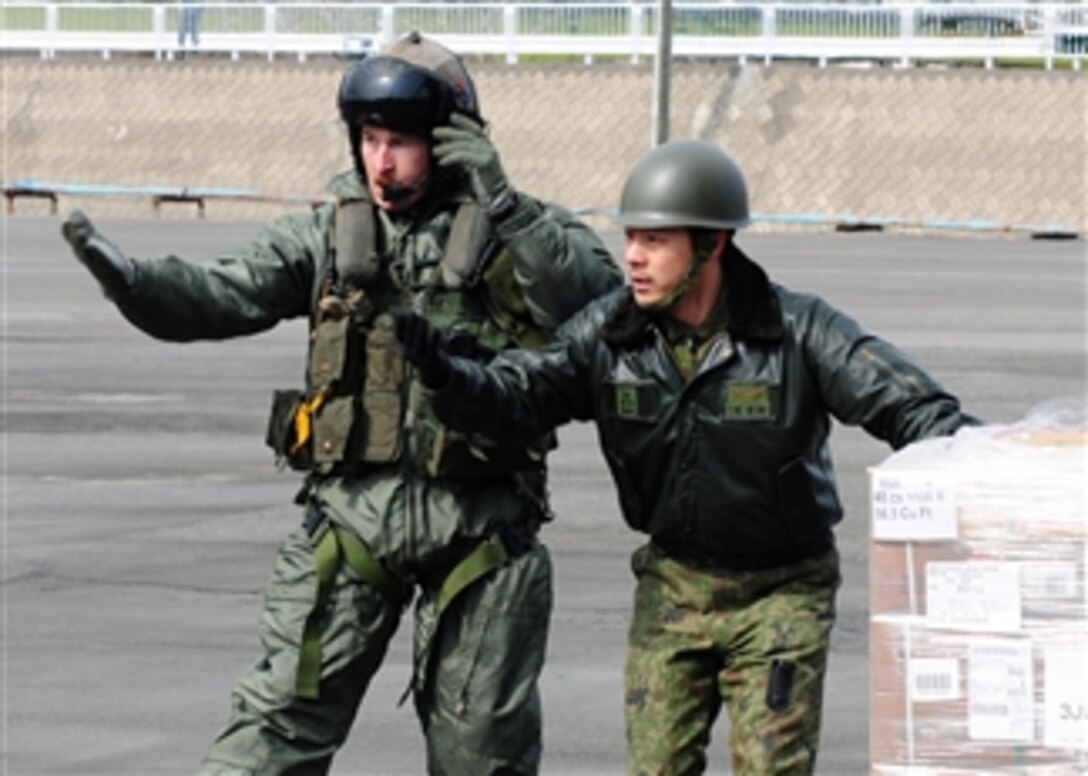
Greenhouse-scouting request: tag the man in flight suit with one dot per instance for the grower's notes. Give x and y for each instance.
(713, 389)
(394, 504)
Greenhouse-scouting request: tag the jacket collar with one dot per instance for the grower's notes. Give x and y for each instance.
(752, 306)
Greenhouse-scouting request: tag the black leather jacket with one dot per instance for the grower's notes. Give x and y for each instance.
(730, 469)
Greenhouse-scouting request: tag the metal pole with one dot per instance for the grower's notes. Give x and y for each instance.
(662, 73)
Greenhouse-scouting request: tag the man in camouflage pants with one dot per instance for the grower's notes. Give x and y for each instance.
(394, 505)
(713, 389)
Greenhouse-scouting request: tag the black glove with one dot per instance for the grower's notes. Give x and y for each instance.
(424, 347)
(114, 271)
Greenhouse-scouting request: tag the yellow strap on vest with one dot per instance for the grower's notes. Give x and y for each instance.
(330, 545)
(304, 419)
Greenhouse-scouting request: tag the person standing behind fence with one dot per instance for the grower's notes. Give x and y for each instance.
(189, 17)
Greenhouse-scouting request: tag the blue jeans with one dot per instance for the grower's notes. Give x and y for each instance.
(189, 26)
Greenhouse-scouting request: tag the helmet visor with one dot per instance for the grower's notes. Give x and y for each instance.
(391, 93)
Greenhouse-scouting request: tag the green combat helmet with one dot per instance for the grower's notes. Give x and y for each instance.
(688, 184)
(685, 183)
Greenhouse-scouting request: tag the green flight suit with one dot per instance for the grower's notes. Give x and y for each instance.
(475, 679)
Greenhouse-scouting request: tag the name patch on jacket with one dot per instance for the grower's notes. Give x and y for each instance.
(634, 400)
(749, 401)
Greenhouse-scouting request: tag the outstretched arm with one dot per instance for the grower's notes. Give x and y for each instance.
(240, 292)
(867, 381)
(519, 396)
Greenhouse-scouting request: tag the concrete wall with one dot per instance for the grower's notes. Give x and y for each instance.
(1007, 147)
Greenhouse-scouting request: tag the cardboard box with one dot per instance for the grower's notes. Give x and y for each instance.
(984, 702)
(978, 630)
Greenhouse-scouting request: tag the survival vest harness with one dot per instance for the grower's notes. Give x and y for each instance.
(353, 413)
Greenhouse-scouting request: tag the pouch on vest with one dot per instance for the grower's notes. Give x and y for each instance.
(329, 352)
(280, 434)
(312, 432)
(382, 399)
(331, 430)
(333, 363)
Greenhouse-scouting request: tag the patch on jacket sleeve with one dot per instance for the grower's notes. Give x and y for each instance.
(750, 401)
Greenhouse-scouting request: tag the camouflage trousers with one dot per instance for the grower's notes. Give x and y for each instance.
(756, 641)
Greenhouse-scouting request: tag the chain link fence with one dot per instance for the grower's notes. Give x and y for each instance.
(935, 148)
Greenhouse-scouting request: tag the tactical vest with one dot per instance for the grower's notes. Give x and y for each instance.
(361, 409)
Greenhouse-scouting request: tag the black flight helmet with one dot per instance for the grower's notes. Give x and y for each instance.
(411, 86)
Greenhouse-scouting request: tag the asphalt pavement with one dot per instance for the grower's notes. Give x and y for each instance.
(141, 510)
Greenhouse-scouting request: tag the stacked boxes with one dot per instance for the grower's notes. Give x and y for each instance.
(978, 629)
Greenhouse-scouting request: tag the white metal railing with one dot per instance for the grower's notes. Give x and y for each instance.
(904, 33)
